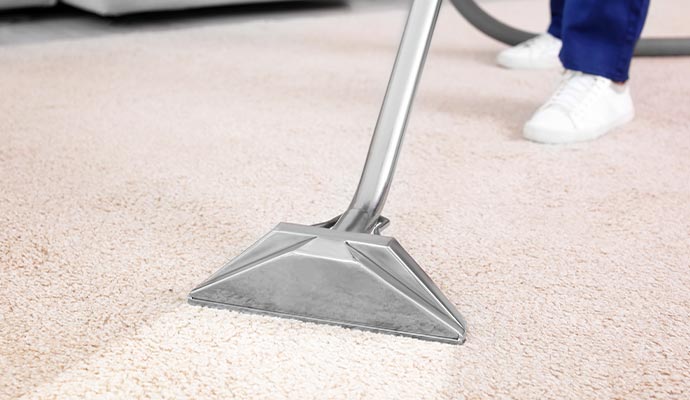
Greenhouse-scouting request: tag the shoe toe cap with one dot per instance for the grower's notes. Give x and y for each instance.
(513, 58)
(549, 125)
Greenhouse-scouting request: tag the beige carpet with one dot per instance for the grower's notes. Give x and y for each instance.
(132, 166)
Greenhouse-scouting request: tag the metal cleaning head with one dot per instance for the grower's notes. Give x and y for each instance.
(343, 271)
(321, 275)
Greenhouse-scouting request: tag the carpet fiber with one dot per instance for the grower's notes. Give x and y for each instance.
(132, 166)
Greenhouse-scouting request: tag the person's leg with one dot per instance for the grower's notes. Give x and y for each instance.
(556, 25)
(599, 36)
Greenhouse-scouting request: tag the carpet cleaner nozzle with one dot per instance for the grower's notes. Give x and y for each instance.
(344, 271)
(322, 275)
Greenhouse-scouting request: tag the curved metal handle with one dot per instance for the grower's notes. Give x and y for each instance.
(367, 204)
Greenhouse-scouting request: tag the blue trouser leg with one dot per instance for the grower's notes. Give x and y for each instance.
(556, 26)
(599, 36)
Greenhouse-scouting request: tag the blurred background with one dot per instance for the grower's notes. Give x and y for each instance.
(27, 21)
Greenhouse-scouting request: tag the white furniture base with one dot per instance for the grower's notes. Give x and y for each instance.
(119, 7)
(7, 4)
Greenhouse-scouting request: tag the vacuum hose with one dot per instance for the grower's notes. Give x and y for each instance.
(649, 47)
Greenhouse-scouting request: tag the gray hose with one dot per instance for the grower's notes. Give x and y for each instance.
(490, 26)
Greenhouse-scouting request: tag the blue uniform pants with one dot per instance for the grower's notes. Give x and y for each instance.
(598, 36)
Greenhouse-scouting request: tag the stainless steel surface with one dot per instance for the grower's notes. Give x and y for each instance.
(321, 275)
(342, 271)
(368, 201)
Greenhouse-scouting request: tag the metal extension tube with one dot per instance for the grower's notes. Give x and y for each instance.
(368, 202)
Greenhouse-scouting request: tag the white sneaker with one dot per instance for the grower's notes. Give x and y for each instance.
(540, 52)
(583, 107)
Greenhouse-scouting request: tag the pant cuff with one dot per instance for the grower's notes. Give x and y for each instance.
(616, 76)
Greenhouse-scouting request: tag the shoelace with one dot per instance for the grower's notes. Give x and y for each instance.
(576, 91)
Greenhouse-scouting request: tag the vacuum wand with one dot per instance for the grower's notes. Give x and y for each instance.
(365, 209)
(345, 272)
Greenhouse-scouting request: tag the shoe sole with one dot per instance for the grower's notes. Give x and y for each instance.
(526, 64)
(548, 136)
